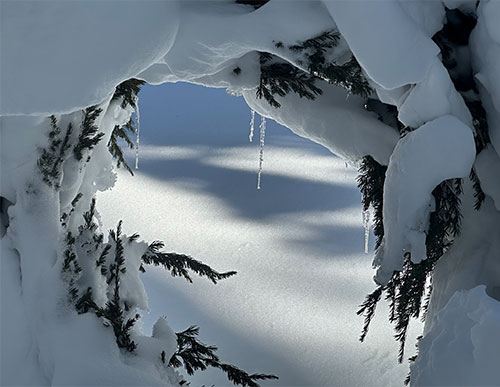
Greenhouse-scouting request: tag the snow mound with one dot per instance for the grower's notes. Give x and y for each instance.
(73, 55)
(463, 346)
(389, 36)
(335, 120)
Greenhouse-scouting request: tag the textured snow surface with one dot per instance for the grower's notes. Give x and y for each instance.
(410, 179)
(463, 346)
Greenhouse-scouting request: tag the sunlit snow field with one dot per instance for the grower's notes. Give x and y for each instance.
(297, 243)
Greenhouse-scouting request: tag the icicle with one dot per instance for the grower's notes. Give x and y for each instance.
(252, 124)
(137, 132)
(262, 128)
(366, 225)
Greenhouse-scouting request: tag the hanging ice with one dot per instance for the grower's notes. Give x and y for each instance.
(252, 124)
(366, 225)
(262, 128)
(137, 132)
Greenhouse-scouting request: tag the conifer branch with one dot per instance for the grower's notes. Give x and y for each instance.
(128, 91)
(371, 179)
(367, 308)
(120, 132)
(254, 3)
(280, 78)
(88, 137)
(407, 291)
(51, 160)
(179, 264)
(195, 355)
(479, 194)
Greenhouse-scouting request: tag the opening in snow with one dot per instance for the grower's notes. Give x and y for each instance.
(4, 216)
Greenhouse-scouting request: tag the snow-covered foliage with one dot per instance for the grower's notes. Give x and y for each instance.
(413, 86)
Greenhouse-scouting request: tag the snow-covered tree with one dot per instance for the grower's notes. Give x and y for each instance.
(408, 91)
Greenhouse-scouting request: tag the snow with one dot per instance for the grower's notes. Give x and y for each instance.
(335, 120)
(462, 348)
(432, 98)
(410, 179)
(487, 166)
(389, 36)
(74, 55)
(485, 47)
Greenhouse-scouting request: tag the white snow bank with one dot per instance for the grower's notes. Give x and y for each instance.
(439, 150)
(214, 35)
(335, 120)
(485, 47)
(391, 47)
(463, 346)
(432, 98)
(487, 167)
(63, 56)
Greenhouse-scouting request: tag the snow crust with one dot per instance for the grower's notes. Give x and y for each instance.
(410, 179)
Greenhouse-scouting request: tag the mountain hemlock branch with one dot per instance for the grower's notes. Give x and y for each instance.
(88, 137)
(126, 91)
(195, 355)
(279, 77)
(52, 158)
